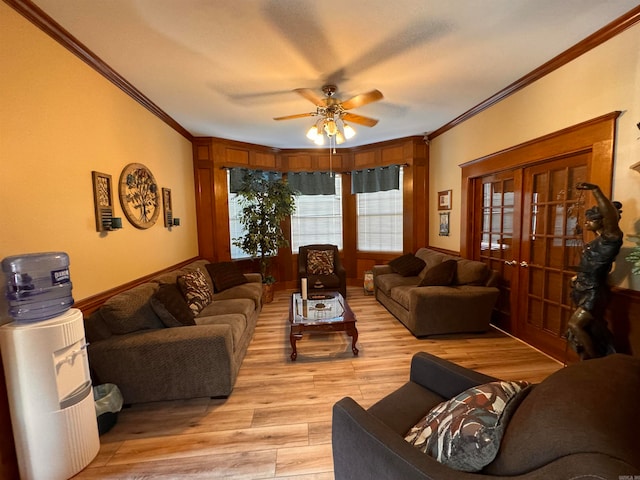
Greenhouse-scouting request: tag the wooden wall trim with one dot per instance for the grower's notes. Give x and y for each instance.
(595, 135)
(44, 22)
(91, 304)
(604, 34)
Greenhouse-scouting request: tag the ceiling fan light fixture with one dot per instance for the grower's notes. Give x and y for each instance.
(312, 133)
(330, 127)
(349, 132)
(340, 138)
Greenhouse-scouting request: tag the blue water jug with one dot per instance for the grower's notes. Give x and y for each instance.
(38, 285)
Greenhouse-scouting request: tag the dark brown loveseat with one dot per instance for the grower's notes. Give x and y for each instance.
(581, 422)
(464, 305)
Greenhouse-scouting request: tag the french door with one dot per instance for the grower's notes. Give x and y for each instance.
(530, 230)
(523, 217)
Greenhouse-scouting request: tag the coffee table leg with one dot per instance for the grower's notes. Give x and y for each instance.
(292, 338)
(353, 333)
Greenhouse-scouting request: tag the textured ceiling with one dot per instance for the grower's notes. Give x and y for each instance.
(226, 68)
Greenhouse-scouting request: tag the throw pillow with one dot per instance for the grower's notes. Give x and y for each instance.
(171, 307)
(320, 262)
(407, 265)
(225, 275)
(464, 433)
(196, 291)
(440, 275)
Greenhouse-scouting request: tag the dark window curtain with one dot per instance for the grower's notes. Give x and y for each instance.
(375, 179)
(312, 183)
(237, 175)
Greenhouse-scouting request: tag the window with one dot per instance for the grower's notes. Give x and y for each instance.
(318, 219)
(235, 227)
(380, 220)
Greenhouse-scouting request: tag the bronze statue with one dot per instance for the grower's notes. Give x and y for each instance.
(587, 331)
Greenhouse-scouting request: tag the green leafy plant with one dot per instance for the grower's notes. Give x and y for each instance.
(266, 201)
(634, 256)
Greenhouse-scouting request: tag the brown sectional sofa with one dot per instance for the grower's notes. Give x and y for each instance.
(463, 306)
(131, 345)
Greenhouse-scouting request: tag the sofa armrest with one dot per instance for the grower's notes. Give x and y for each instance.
(493, 280)
(253, 277)
(444, 310)
(443, 377)
(381, 270)
(167, 363)
(365, 448)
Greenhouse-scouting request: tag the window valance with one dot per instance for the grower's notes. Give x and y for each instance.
(237, 177)
(312, 183)
(376, 179)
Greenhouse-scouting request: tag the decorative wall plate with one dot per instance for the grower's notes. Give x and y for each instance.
(139, 195)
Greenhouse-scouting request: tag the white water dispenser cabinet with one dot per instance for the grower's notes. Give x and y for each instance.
(50, 396)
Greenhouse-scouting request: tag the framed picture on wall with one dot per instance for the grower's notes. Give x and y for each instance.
(444, 224)
(444, 200)
(167, 207)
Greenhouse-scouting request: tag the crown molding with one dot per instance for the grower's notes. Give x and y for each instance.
(598, 38)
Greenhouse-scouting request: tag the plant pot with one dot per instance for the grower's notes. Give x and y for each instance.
(267, 293)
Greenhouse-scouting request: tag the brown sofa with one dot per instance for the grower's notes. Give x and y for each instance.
(151, 357)
(579, 423)
(464, 305)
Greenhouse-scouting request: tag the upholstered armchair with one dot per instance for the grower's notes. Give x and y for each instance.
(580, 422)
(320, 264)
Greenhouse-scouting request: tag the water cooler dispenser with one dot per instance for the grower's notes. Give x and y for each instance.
(47, 375)
(50, 396)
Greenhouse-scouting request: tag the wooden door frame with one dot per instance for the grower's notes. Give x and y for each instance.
(596, 135)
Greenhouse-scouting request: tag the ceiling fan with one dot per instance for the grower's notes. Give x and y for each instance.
(333, 113)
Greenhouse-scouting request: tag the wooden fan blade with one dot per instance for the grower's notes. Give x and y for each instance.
(360, 120)
(298, 115)
(312, 96)
(362, 99)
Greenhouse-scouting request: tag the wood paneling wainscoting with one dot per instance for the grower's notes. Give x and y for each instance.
(212, 156)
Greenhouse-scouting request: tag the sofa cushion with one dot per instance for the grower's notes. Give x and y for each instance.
(225, 275)
(195, 289)
(130, 311)
(320, 262)
(464, 433)
(439, 275)
(236, 322)
(407, 265)
(471, 272)
(432, 258)
(242, 306)
(171, 307)
(249, 290)
(585, 407)
(95, 327)
(389, 281)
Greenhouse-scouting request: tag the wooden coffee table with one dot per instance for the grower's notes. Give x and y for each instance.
(326, 312)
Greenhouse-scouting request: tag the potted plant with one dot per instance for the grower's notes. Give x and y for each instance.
(266, 200)
(634, 256)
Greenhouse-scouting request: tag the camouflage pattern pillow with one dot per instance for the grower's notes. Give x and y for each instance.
(464, 433)
(320, 262)
(196, 291)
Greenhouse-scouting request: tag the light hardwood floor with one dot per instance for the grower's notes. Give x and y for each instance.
(277, 421)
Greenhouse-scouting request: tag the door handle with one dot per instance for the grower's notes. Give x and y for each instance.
(524, 264)
(510, 263)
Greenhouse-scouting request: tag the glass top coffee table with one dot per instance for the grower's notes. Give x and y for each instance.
(326, 312)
